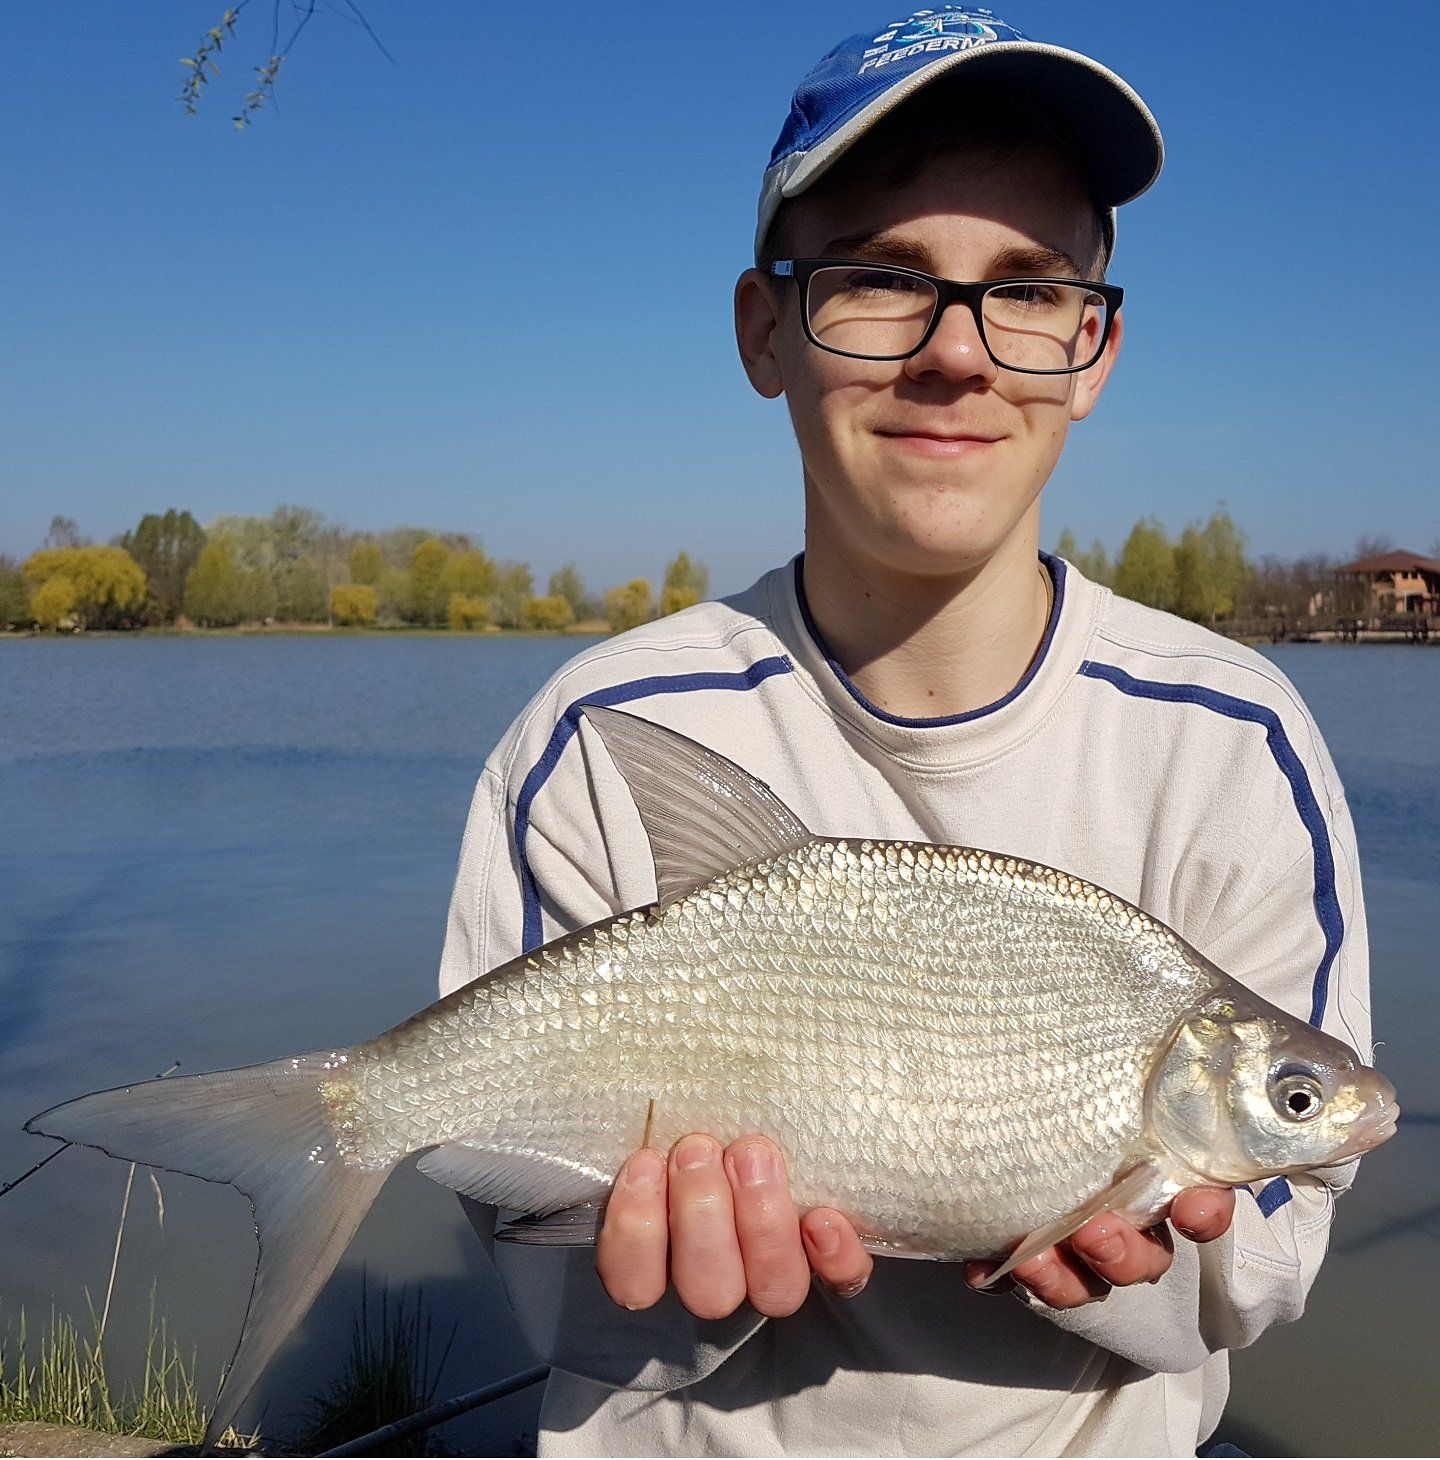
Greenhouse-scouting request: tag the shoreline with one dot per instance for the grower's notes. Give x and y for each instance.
(590, 629)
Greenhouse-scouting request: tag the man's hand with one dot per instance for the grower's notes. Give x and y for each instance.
(1108, 1252)
(720, 1225)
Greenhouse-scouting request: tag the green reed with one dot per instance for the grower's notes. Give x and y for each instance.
(61, 1379)
(390, 1374)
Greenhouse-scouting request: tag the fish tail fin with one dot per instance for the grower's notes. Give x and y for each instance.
(267, 1130)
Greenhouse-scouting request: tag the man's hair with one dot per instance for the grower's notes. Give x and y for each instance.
(945, 119)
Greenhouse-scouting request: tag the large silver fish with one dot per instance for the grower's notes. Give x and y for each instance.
(960, 1049)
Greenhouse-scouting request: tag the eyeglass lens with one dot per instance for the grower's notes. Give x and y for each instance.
(880, 314)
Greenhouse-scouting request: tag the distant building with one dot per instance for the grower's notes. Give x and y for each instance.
(1398, 582)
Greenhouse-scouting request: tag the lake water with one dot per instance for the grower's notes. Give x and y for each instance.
(218, 851)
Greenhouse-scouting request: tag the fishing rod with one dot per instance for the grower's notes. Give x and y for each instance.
(439, 1413)
(43, 1161)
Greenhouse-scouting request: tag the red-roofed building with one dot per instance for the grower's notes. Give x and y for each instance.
(1399, 582)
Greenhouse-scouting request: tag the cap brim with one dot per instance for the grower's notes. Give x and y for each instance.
(1110, 124)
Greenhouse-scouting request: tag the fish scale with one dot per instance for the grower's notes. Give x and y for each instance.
(884, 1081)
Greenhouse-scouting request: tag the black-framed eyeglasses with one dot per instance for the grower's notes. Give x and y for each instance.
(874, 311)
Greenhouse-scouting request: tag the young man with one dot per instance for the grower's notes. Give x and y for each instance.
(929, 299)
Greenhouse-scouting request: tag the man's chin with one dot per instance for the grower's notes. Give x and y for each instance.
(956, 551)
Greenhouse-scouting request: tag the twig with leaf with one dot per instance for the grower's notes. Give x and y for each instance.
(202, 66)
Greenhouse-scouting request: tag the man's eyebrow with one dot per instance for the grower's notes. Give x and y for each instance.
(870, 245)
(1018, 259)
(1034, 259)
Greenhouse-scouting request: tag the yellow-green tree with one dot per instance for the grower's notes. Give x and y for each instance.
(220, 592)
(367, 562)
(629, 606)
(552, 613)
(686, 583)
(1225, 545)
(470, 572)
(566, 583)
(300, 594)
(1210, 568)
(52, 604)
(514, 583)
(428, 598)
(1146, 570)
(392, 594)
(1093, 562)
(467, 614)
(14, 600)
(109, 585)
(352, 605)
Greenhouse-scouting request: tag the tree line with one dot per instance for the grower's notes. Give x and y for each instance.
(294, 567)
(1206, 574)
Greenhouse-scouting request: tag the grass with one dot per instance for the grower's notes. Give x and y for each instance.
(389, 1375)
(63, 1381)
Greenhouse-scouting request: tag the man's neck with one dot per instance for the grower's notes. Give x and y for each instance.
(921, 647)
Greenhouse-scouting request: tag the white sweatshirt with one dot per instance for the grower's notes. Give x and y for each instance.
(1141, 752)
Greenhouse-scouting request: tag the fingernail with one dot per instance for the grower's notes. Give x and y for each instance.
(694, 1152)
(977, 1272)
(852, 1289)
(825, 1240)
(1108, 1246)
(644, 1170)
(754, 1164)
(1203, 1217)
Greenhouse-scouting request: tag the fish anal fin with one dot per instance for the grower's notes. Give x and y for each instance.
(702, 814)
(515, 1177)
(1132, 1191)
(577, 1226)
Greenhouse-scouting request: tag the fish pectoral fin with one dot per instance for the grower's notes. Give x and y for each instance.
(702, 814)
(515, 1177)
(1127, 1190)
(577, 1226)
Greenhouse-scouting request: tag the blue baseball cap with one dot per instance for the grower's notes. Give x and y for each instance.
(867, 76)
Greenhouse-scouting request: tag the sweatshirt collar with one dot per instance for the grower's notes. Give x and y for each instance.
(944, 739)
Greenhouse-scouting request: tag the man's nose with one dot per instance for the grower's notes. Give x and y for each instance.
(955, 350)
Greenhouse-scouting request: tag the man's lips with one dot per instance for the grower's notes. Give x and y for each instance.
(930, 442)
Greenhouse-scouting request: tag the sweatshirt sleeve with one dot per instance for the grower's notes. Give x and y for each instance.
(1296, 936)
(581, 863)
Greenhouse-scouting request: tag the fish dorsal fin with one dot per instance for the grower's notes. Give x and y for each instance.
(702, 813)
(523, 1180)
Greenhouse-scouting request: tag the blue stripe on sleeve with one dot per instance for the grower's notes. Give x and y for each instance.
(1273, 1195)
(1327, 901)
(564, 732)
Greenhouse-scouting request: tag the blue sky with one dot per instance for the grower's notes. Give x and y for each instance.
(487, 287)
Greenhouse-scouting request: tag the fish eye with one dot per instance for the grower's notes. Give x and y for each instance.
(1296, 1093)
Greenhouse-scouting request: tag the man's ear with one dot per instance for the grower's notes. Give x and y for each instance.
(1089, 383)
(756, 321)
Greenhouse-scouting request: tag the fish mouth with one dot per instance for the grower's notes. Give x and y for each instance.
(1377, 1122)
